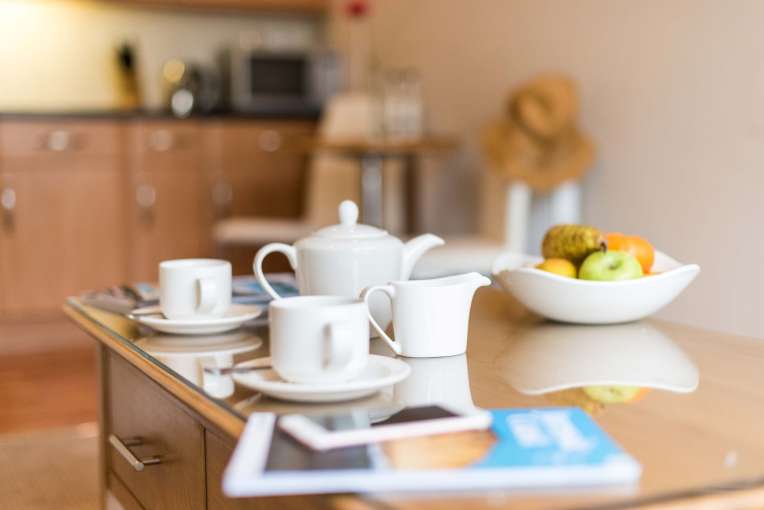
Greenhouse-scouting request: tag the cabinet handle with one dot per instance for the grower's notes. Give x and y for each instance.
(269, 140)
(59, 140)
(162, 140)
(122, 449)
(222, 197)
(145, 199)
(8, 204)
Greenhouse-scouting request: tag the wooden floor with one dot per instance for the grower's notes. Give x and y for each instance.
(53, 469)
(47, 376)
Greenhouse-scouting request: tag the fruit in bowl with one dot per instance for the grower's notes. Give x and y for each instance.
(610, 285)
(572, 242)
(600, 257)
(562, 267)
(640, 248)
(607, 266)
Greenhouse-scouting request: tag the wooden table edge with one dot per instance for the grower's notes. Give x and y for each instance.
(733, 499)
(208, 410)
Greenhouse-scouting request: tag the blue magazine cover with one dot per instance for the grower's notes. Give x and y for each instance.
(524, 448)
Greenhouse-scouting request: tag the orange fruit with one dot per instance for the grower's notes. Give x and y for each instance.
(640, 248)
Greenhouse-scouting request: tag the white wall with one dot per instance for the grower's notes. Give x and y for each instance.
(672, 93)
(59, 55)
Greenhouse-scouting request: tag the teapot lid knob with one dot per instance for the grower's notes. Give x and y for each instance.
(348, 227)
(348, 213)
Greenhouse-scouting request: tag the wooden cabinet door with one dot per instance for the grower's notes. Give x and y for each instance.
(218, 453)
(144, 421)
(62, 226)
(171, 206)
(256, 168)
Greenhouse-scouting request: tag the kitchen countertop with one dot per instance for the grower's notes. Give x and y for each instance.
(698, 438)
(150, 115)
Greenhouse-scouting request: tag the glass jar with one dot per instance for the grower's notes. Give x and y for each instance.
(402, 109)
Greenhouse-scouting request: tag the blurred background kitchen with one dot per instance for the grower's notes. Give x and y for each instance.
(133, 131)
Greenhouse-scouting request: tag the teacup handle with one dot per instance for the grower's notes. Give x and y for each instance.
(390, 291)
(207, 295)
(257, 264)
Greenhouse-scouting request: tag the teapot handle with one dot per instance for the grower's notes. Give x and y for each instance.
(257, 264)
(390, 291)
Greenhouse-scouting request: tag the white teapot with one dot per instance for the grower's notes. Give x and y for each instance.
(344, 259)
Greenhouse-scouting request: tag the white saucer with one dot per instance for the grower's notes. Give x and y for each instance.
(233, 318)
(380, 372)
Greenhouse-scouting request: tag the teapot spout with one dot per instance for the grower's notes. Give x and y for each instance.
(414, 249)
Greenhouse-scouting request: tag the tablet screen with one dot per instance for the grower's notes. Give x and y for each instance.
(355, 420)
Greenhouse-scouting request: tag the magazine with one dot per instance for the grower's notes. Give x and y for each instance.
(523, 449)
(124, 299)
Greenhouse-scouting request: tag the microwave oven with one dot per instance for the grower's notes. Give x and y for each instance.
(282, 82)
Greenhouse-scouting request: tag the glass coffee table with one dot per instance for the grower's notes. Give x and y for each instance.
(697, 432)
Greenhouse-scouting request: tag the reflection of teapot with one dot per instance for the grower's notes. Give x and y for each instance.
(344, 259)
(551, 357)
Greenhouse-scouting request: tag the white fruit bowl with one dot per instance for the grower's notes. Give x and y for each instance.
(590, 302)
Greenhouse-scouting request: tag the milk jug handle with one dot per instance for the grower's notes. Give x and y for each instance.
(390, 291)
(257, 264)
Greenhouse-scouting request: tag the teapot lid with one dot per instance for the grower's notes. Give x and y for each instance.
(348, 227)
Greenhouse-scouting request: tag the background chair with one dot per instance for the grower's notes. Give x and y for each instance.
(537, 150)
(520, 229)
(330, 180)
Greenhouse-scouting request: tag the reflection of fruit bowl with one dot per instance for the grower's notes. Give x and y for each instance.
(592, 302)
(548, 357)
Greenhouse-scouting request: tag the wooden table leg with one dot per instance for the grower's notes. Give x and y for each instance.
(371, 190)
(411, 193)
(103, 425)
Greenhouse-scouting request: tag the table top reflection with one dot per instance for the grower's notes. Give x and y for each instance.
(688, 404)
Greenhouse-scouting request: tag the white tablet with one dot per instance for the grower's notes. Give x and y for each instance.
(363, 427)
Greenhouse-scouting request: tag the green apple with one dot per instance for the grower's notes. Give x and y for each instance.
(611, 265)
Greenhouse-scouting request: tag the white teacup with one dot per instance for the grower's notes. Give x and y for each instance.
(319, 339)
(194, 289)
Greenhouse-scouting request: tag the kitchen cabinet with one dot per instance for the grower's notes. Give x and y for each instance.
(171, 208)
(304, 6)
(255, 170)
(86, 203)
(61, 194)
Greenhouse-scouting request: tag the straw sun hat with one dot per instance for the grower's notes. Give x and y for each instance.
(537, 141)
